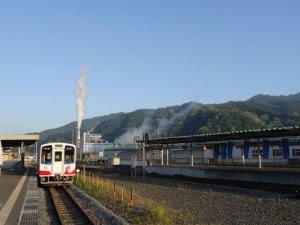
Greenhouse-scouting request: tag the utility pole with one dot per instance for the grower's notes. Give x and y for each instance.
(145, 140)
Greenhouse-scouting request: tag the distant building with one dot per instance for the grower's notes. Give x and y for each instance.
(94, 144)
(113, 152)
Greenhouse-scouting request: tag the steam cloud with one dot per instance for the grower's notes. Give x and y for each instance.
(81, 92)
(127, 138)
(164, 126)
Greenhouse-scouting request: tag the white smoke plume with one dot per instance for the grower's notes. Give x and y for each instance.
(163, 125)
(127, 138)
(81, 92)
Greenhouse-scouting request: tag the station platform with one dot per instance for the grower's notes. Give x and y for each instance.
(18, 195)
(287, 177)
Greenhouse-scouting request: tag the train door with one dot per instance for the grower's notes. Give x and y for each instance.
(58, 164)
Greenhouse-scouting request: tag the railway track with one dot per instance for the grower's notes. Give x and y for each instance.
(68, 210)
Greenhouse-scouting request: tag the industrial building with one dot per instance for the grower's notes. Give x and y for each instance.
(94, 144)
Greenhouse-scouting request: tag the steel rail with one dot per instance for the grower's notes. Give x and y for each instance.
(69, 212)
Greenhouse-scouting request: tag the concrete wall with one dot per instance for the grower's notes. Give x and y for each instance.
(292, 178)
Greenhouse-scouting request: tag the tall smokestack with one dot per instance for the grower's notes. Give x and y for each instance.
(81, 92)
(78, 138)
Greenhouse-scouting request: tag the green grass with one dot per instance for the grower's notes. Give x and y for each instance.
(143, 211)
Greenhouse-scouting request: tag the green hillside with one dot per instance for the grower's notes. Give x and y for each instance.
(260, 111)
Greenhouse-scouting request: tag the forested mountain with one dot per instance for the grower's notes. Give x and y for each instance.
(260, 111)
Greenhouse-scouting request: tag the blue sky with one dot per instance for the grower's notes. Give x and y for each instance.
(141, 54)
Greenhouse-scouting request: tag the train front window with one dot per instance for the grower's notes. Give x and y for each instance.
(58, 156)
(46, 156)
(69, 156)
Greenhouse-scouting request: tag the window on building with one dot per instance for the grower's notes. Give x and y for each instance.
(296, 152)
(255, 153)
(277, 152)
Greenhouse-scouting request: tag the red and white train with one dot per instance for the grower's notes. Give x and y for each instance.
(56, 164)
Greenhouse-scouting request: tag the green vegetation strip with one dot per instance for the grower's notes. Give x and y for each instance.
(127, 203)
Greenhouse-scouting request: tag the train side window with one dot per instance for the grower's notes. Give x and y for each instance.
(58, 156)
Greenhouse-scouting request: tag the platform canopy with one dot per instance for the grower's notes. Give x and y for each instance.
(15, 140)
(226, 136)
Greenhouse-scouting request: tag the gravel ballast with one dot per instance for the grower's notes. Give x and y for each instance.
(213, 204)
(199, 203)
